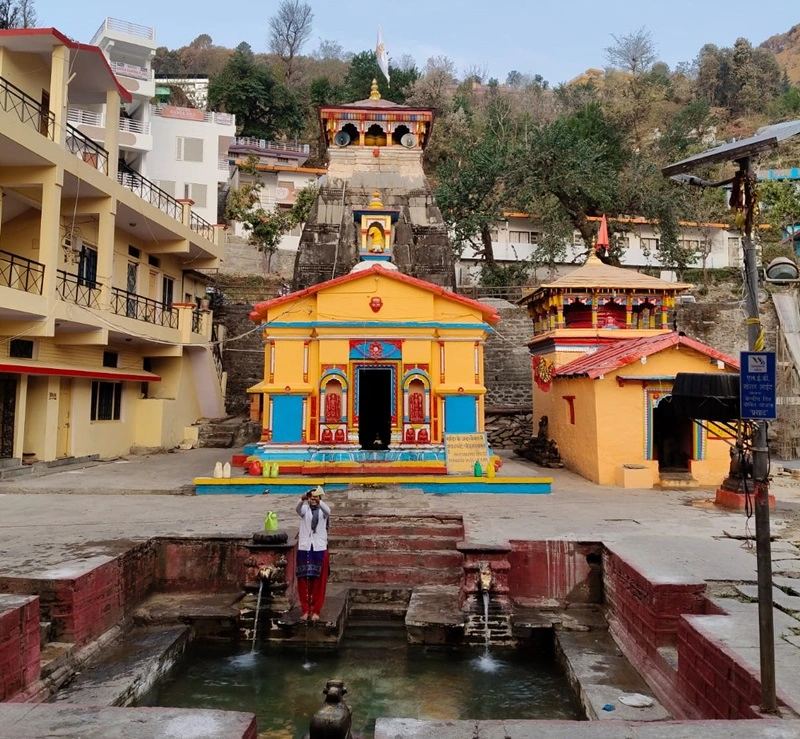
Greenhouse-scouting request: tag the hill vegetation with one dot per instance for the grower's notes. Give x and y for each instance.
(565, 153)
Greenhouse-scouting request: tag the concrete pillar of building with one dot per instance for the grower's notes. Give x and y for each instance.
(49, 228)
(105, 252)
(59, 100)
(111, 142)
(20, 412)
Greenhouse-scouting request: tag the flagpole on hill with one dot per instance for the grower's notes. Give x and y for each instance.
(382, 57)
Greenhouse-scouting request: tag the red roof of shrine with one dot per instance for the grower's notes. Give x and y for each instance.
(622, 353)
(260, 309)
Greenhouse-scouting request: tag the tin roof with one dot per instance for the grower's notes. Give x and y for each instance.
(622, 353)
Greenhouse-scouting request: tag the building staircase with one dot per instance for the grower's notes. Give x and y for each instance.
(224, 433)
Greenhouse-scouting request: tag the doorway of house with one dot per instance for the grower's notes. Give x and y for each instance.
(374, 407)
(8, 400)
(672, 438)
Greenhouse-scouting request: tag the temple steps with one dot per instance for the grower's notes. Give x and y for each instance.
(392, 550)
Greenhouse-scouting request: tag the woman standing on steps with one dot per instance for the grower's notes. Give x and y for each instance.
(312, 553)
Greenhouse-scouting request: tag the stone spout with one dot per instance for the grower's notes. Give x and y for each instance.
(334, 719)
(485, 578)
(265, 574)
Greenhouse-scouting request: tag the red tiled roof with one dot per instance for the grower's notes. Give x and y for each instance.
(622, 353)
(260, 309)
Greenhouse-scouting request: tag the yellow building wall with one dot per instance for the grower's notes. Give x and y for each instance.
(418, 352)
(334, 351)
(27, 71)
(350, 300)
(288, 362)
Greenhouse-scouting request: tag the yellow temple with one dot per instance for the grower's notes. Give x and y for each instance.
(371, 370)
(604, 362)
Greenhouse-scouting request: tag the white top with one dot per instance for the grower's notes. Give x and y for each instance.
(319, 538)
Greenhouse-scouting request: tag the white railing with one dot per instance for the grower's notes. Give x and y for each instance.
(273, 145)
(223, 165)
(133, 126)
(131, 29)
(78, 117)
(134, 71)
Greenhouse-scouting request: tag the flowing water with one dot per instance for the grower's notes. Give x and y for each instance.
(407, 681)
(486, 663)
(258, 610)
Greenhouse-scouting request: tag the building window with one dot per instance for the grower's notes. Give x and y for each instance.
(106, 400)
(649, 245)
(577, 239)
(110, 359)
(134, 252)
(20, 349)
(167, 292)
(168, 186)
(87, 267)
(519, 237)
(196, 192)
(153, 261)
(188, 149)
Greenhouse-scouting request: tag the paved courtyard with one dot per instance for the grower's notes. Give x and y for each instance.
(51, 521)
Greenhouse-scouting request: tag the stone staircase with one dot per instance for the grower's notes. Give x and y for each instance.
(394, 550)
(224, 433)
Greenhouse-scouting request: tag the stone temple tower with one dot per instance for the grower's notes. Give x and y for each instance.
(375, 155)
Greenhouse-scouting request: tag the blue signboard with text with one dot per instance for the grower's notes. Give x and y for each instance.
(757, 386)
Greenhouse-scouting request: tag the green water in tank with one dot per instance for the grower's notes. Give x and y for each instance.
(283, 684)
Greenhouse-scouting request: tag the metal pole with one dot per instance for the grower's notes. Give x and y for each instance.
(766, 632)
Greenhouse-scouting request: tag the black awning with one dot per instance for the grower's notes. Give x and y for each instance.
(707, 396)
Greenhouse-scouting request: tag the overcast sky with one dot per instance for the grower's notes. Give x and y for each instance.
(557, 39)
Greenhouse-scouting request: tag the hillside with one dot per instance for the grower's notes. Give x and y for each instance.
(786, 47)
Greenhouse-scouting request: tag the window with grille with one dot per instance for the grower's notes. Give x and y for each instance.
(106, 401)
(188, 149)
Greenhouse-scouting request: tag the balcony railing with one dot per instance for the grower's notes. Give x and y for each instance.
(131, 29)
(197, 320)
(124, 303)
(20, 273)
(76, 289)
(86, 149)
(150, 192)
(201, 226)
(477, 292)
(28, 110)
(78, 117)
(272, 145)
(223, 165)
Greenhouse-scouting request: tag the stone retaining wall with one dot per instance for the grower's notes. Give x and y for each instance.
(508, 429)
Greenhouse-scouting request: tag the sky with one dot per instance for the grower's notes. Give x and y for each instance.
(556, 39)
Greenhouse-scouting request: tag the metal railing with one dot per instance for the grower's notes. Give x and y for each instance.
(272, 145)
(223, 165)
(201, 226)
(125, 303)
(216, 350)
(28, 110)
(131, 29)
(86, 149)
(197, 320)
(150, 192)
(76, 289)
(79, 117)
(131, 125)
(20, 273)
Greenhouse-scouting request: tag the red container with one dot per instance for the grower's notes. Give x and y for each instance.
(255, 468)
(238, 460)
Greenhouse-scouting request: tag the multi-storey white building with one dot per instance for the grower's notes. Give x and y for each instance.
(182, 150)
(515, 238)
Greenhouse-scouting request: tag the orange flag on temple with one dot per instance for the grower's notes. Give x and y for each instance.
(602, 236)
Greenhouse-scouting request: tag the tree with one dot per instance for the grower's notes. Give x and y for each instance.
(289, 29)
(634, 53)
(364, 68)
(329, 49)
(27, 14)
(265, 228)
(263, 107)
(9, 14)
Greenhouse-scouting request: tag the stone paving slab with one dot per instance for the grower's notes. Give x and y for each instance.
(398, 728)
(25, 721)
(128, 668)
(787, 603)
(601, 675)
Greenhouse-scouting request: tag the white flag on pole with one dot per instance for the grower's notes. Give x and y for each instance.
(383, 57)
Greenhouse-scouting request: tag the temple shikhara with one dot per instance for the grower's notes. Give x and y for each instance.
(604, 361)
(370, 369)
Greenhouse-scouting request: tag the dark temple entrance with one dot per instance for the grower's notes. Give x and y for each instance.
(374, 408)
(672, 438)
(8, 400)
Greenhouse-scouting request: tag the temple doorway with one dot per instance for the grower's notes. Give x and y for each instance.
(672, 437)
(374, 407)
